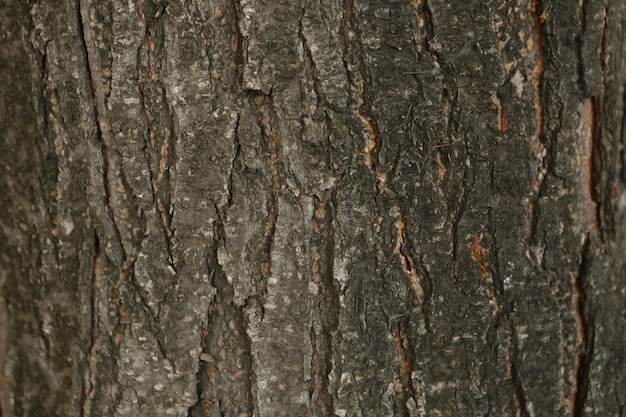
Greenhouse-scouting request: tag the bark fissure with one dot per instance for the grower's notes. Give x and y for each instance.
(585, 331)
(519, 396)
(354, 63)
(45, 86)
(406, 371)
(239, 56)
(595, 168)
(372, 142)
(583, 7)
(622, 139)
(425, 25)
(604, 42)
(225, 370)
(147, 86)
(85, 40)
(151, 319)
(455, 217)
(163, 214)
(538, 18)
(406, 261)
(344, 28)
(233, 163)
(264, 108)
(320, 367)
(95, 331)
(90, 376)
(496, 277)
(325, 305)
(307, 59)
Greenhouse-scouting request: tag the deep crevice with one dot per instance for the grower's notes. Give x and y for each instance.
(325, 304)
(538, 19)
(344, 28)
(428, 296)
(146, 85)
(309, 64)
(373, 143)
(264, 105)
(582, 23)
(237, 146)
(127, 259)
(596, 168)
(88, 390)
(239, 58)
(586, 332)
(219, 368)
(622, 151)
(518, 388)
(456, 215)
(428, 29)
(406, 260)
(498, 284)
(407, 366)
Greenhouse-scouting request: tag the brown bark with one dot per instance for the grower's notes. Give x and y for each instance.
(293, 208)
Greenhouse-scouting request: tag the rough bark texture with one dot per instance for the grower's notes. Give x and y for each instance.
(312, 207)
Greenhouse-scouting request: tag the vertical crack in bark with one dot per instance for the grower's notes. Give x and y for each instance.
(426, 33)
(224, 377)
(595, 164)
(46, 88)
(521, 409)
(152, 129)
(86, 39)
(264, 108)
(605, 30)
(582, 24)
(164, 215)
(372, 142)
(622, 139)
(344, 34)
(456, 212)
(309, 65)
(406, 362)
(358, 94)
(239, 56)
(498, 298)
(89, 383)
(320, 369)
(601, 189)
(585, 332)
(325, 308)
(97, 96)
(425, 26)
(236, 153)
(97, 272)
(405, 259)
(598, 194)
(538, 18)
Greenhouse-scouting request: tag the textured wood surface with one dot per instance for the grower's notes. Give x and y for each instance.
(312, 208)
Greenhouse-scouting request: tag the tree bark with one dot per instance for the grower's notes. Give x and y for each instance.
(312, 208)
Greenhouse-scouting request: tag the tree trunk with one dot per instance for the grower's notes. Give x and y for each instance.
(312, 208)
